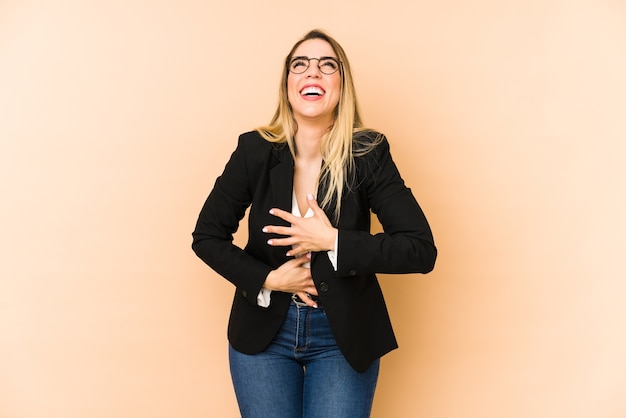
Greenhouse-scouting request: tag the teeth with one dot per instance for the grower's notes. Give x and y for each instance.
(312, 90)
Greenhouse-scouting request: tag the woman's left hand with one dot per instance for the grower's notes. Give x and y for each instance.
(305, 234)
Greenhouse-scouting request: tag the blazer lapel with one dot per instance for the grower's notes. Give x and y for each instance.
(281, 181)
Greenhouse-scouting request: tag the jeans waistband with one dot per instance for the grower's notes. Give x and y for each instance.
(297, 301)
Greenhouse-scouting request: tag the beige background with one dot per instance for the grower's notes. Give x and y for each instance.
(507, 119)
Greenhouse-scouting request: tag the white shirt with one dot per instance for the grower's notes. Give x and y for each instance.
(263, 299)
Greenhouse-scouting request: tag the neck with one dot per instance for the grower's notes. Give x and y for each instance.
(309, 145)
(309, 139)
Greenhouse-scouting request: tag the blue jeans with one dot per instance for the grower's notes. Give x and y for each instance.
(302, 374)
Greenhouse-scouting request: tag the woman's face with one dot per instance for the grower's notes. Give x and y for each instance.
(312, 94)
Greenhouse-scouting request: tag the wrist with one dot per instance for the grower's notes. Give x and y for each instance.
(268, 280)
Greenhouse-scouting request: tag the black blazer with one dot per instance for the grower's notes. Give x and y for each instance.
(259, 175)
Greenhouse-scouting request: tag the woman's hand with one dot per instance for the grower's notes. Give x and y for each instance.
(305, 234)
(292, 277)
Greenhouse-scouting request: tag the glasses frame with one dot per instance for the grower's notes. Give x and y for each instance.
(308, 61)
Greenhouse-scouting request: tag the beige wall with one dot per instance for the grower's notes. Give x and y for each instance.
(507, 118)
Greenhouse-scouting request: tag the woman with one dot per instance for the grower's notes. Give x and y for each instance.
(309, 323)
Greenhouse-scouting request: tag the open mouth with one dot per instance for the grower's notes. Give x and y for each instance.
(312, 91)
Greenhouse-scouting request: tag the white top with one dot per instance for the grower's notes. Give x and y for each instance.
(263, 299)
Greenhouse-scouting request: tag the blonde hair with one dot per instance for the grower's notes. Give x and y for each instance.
(337, 145)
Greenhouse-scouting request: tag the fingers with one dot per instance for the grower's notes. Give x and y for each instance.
(305, 234)
(299, 261)
(304, 297)
(298, 251)
(306, 258)
(292, 219)
(281, 242)
(314, 206)
(317, 210)
(284, 215)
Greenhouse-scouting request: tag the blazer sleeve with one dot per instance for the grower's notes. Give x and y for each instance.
(406, 244)
(219, 220)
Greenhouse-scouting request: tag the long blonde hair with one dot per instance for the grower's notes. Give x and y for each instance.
(337, 145)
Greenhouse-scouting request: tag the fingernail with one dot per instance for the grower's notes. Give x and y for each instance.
(265, 229)
(309, 196)
(271, 211)
(269, 241)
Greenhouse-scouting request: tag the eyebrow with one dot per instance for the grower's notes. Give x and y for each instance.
(321, 58)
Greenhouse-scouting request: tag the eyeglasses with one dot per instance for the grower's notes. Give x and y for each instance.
(327, 65)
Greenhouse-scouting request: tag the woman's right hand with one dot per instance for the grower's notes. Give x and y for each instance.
(292, 277)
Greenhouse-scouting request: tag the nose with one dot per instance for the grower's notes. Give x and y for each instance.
(314, 69)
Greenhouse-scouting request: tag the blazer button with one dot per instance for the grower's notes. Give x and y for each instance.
(352, 273)
(324, 287)
(244, 293)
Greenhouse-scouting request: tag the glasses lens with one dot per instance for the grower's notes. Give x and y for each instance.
(298, 65)
(328, 65)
